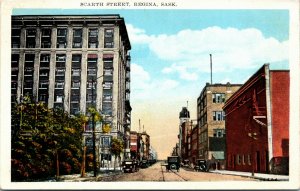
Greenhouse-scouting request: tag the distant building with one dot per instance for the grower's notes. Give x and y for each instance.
(134, 144)
(184, 117)
(146, 140)
(194, 144)
(257, 124)
(211, 121)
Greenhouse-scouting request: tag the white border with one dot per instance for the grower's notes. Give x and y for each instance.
(5, 52)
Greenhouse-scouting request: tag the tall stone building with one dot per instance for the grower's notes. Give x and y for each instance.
(184, 117)
(75, 62)
(211, 121)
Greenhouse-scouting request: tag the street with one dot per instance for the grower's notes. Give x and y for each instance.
(157, 172)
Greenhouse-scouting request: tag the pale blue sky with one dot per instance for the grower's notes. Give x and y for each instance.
(170, 56)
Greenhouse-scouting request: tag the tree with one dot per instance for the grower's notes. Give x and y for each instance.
(39, 135)
(117, 147)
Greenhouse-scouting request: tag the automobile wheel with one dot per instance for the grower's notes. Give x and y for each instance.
(202, 167)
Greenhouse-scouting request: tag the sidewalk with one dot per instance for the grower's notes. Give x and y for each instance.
(89, 176)
(260, 176)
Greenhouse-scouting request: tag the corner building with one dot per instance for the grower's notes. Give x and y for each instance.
(211, 122)
(257, 124)
(74, 62)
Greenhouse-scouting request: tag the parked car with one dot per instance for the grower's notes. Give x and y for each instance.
(173, 163)
(130, 165)
(201, 165)
(144, 164)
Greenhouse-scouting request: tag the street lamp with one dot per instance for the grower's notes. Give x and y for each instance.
(93, 126)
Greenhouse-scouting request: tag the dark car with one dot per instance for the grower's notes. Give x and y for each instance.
(130, 166)
(201, 165)
(173, 163)
(144, 164)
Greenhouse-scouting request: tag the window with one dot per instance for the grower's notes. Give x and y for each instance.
(93, 38)
(108, 38)
(107, 97)
(59, 98)
(43, 85)
(46, 38)
(243, 160)
(249, 159)
(238, 159)
(218, 98)
(77, 38)
(43, 97)
(59, 85)
(61, 38)
(60, 58)
(91, 84)
(219, 132)
(92, 71)
(105, 141)
(107, 108)
(108, 63)
(90, 97)
(75, 72)
(75, 98)
(59, 72)
(108, 72)
(107, 85)
(30, 38)
(15, 38)
(76, 84)
(218, 115)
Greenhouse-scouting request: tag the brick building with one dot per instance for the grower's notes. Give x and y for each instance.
(257, 124)
(211, 121)
(184, 127)
(146, 140)
(73, 63)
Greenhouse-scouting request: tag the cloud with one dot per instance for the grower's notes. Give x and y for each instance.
(187, 52)
(138, 36)
(169, 84)
(140, 77)
(144, 87)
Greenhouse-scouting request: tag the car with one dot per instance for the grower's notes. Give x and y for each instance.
(144, 164)
(201, 165)
(173, 163)
(130, 165)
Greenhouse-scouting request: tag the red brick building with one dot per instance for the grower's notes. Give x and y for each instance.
(134, 144)
(257, 123)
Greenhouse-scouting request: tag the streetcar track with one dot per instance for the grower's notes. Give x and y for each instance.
(163, 176)
(162, 172)
(179, 175)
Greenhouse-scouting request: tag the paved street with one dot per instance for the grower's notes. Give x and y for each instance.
(157, 172)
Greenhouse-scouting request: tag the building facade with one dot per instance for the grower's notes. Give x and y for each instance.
(258, 114)
(184, 117)
(146, 140)
(73, 63)
(211, 121)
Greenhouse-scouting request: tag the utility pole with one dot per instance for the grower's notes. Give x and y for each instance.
(94, 138)
(139, 125)
(210, 69)
(93, 126)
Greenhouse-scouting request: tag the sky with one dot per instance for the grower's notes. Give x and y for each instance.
(170, 62)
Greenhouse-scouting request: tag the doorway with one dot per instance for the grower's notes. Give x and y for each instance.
(257, 161)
